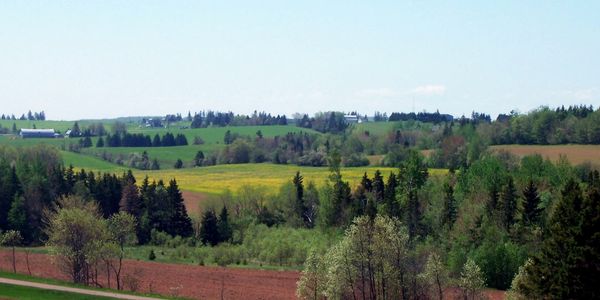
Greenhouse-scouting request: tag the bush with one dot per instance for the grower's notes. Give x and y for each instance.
(313, 159)
(151, 256)
(159, 238)
(178, 164)
(198, 140)
(355, 160)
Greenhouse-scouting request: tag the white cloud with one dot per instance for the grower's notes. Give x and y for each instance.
(429, 90)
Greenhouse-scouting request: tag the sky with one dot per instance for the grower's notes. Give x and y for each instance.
(104, 59)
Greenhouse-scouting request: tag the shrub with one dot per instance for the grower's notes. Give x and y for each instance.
(152, 256)
(355, 160)
(159, 238)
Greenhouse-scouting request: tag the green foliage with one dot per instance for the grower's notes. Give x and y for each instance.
(152, 255)
(435, 276)
(381, 244)
(471, 280)
(76, 233)
(209, 231)
(567, 264)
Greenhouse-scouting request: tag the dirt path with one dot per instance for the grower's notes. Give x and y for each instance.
(72, 290)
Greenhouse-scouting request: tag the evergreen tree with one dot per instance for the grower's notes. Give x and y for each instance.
(378, 186)
(156, 141)
(9, 186)
(223, 227)
(568, 264)
(75, 131)
(199, 158)
(17, 218)
(14, 128)
(180, 221)
(227, 138)
(449, 210)
(299, 208)
(531, 202)
(209, 232)
(509, 204)
(87, 142)
(155, 165)
(130, 200)
(412, 176)
(196, 121)
(366, 183)
(391, 204)
(100, 143)
(178, 164)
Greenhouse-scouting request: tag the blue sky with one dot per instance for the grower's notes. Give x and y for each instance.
(95, 59)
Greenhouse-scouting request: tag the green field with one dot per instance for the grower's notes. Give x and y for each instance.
(166, 156)
(25, 293)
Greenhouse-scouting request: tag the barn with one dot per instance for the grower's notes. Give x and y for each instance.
(38, 133)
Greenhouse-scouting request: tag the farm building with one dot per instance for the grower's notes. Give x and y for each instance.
(352, 119)
(38, 133)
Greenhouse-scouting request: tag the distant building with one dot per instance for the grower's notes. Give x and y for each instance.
(352, 119)
(38, 133)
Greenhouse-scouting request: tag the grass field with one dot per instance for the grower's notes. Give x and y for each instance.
(576, 154)
(27, 293)
(166, 156)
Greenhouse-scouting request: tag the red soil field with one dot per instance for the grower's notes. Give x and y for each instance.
(192, 202)
(197, 282)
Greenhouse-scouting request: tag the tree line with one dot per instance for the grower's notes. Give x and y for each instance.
(210, 118)
(140, 140)
(33, 180)
(36, 116)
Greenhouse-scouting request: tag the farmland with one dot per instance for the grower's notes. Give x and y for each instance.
(212, 138)
(576, 154)
(188, 281)
(215, 179)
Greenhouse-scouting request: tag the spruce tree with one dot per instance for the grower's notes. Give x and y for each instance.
(223, 226)
(199, 158)
(299, 208)
(100, 143)
(567, 265)
(531, 202)
(9, 185)
(130, 200)
(156, 141)
(391, 203)
(449, 210)
(181, 224)
(378, 186)
(509, 204)
(413, 175)
(366, 183)
(209, 232)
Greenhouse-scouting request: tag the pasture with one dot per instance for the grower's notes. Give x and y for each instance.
(212, 138)
(576, 154)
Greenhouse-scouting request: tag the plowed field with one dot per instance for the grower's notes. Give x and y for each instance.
(198, 282)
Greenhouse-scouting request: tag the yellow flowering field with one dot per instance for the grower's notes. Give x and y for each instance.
(216, 179)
